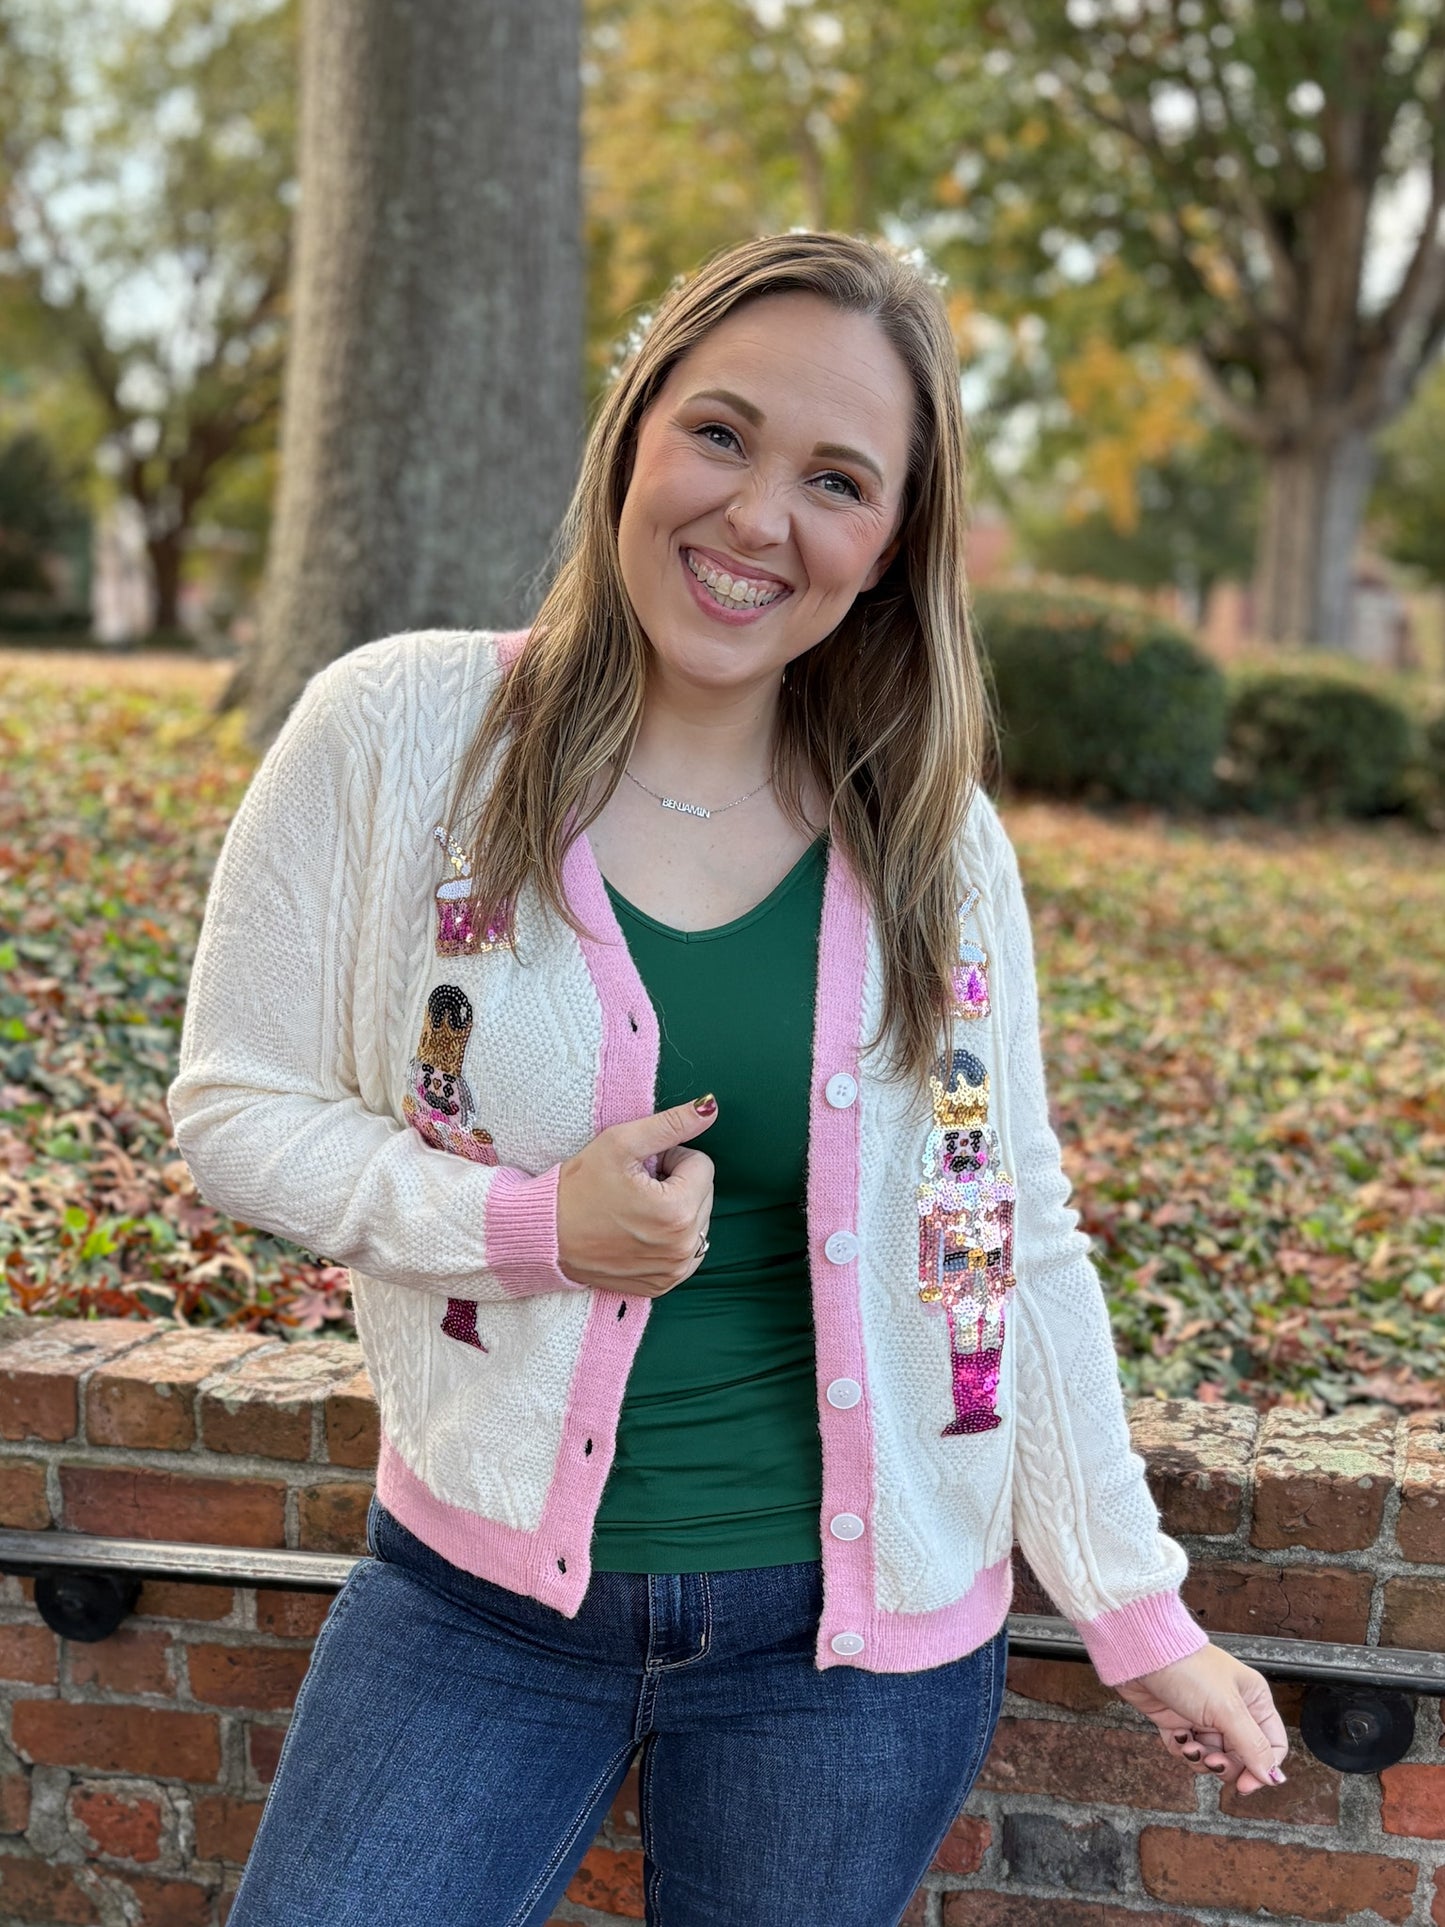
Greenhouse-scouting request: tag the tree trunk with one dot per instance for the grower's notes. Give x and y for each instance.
(1314, 506)
(434, 377)
(164, 552)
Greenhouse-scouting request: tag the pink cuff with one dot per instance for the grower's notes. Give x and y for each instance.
(1141, 1637)
(520, 1232)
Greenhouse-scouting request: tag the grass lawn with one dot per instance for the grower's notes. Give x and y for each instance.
(1245, 1027)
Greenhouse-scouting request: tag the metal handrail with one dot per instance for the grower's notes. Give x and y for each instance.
(174, 1559)
(1033, 1635)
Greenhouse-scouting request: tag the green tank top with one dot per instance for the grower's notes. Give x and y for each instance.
(718, 1462)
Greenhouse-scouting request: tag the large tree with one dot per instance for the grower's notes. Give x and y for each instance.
(434, 375)
(1247, 158)
(1220, 176)
(145, 167)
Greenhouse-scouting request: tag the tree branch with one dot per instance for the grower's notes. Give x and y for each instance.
(1244, 422)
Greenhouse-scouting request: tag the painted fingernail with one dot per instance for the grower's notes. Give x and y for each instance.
(1276, 1776)
(1181, 1739)
(705, 1106)
(1194, 1752)
(1213, 1768)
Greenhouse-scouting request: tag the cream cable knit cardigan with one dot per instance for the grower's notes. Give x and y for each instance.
(363, 1072)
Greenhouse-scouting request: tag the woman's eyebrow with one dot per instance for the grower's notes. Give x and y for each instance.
(748, 410)
(836, 451)
(840, 452)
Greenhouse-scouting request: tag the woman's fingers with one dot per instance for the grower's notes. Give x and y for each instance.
(1244, 1749)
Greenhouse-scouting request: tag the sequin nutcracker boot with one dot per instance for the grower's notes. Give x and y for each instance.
(975, 1380)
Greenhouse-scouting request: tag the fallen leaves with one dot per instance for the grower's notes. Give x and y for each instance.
(1244, 1030)
(113, 802)
(1244, 1026)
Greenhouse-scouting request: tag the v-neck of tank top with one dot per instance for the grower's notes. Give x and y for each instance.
(775, 896)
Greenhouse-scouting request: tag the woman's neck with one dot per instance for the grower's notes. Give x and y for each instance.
(705, 739)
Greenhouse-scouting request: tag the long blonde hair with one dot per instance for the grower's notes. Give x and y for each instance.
(888, 711)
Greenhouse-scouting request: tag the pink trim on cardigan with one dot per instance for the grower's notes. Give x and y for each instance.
(833, 1139)
(624, 1089)
(521, 1561)
(505, 1555)
(1129, 1641)
(553, 1563)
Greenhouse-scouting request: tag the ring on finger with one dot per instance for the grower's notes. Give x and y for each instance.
(702, 1246)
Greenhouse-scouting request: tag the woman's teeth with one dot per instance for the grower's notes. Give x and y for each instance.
(727, 588)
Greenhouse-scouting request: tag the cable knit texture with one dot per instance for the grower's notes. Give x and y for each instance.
(353, 1083)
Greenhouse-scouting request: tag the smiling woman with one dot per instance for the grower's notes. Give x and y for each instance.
(745, 472)
(720, 1453)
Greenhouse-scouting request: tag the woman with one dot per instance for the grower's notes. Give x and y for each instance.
(644, 1007)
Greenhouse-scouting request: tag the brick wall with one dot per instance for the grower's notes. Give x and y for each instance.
(133, 1770)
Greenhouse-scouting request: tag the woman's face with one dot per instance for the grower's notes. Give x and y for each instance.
(796, 417)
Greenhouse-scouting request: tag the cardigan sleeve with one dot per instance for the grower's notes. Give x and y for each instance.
(266, 1106)
(1083, 1512)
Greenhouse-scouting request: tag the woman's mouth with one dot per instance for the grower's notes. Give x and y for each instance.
(734, 594)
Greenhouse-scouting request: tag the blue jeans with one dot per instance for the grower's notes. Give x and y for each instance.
(455, 1747)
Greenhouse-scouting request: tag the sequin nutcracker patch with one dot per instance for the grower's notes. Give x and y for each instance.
(459, 931)
(970, 972)
(966, 1212)
(439, 1106)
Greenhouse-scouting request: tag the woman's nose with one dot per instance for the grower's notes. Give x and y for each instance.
(758, 517)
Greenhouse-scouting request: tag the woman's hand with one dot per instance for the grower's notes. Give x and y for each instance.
(621, 1229)
(1216, 1715)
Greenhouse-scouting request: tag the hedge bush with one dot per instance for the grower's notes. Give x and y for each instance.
(1099, 699)
(1316, 742)
(1425, 776)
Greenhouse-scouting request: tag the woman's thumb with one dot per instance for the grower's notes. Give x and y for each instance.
(648, 1136)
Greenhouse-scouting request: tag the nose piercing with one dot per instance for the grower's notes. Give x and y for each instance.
(728, 517)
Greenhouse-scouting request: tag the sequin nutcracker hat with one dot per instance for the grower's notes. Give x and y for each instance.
(446, 1030)
(963, 1105)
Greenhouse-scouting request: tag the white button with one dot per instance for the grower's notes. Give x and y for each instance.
(846, 1525)
(845, 1645)
(844, 1393)
(841, 1248)
(841, 1090)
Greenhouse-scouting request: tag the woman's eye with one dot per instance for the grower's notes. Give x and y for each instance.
(718, 428)
(847, 480)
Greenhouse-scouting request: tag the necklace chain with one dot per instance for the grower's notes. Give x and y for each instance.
(694, 809)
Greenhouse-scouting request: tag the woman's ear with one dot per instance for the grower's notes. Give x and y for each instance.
(880, 568)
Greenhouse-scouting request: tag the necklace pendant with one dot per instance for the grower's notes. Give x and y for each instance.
(687, 809)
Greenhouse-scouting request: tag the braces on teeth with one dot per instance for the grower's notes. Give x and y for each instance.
(728, 588)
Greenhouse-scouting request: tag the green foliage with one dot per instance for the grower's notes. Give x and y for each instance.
(37, 512)
(1314, 741)
(146, 191)
(1197, 519)
(708, 121)
(1424, 779)
(1099, 700)
(1408, 508)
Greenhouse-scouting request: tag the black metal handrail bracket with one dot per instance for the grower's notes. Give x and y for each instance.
(1358, 1715)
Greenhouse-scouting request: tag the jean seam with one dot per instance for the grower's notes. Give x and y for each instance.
(564, 1846)
(979, 1754)
(652, 1891)
(344, 1600)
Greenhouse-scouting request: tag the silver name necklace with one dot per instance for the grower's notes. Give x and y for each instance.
(694, 809)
